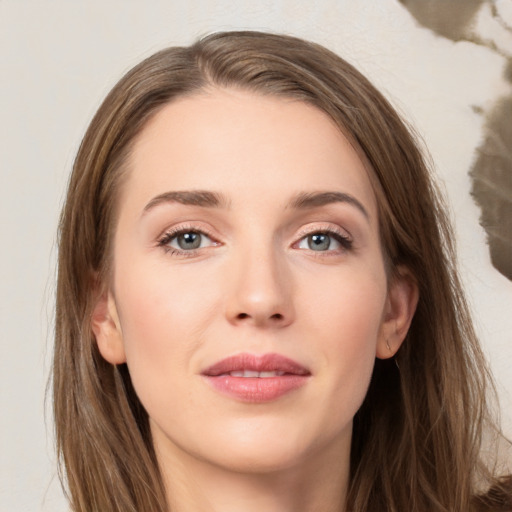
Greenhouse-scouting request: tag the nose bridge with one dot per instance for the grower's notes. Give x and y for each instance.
(261, 291)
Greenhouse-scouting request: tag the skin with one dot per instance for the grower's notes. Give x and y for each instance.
(256, 286)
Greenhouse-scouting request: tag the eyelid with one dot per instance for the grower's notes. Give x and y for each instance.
(172, 232)
(342, 235)
(323, 228)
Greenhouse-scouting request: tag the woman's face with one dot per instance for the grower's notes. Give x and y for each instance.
(249, 296)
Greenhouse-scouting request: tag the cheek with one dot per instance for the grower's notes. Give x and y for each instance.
(345, 320)
(159, 301)
(348, 306)
(164, 316)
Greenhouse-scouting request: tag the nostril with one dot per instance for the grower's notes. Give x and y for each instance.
(276, 316)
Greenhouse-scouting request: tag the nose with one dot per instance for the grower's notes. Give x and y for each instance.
(261, 292)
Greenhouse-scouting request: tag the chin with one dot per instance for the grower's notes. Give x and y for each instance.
(267, 447)
(260, 458)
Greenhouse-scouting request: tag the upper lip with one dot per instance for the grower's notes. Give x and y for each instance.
(258, 363)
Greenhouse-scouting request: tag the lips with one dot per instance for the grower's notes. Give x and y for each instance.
(251, 378)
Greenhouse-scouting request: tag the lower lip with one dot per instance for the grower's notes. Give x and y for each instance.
(256, 389)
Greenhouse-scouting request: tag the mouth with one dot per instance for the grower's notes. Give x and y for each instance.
(255, 379)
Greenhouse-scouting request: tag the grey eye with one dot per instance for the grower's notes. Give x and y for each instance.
(319, 242)
(186, 240)
(189, 241)
(323, 241)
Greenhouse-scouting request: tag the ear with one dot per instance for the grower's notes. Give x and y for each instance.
(107, 329)
(400, 307)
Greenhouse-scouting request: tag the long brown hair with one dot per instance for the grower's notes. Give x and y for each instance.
(417, 437)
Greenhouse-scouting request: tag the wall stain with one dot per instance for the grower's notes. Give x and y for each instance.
(492, 184)
(508, 71)
(491, 171)
(450, 19)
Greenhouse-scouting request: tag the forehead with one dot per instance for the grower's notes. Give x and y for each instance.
(237, 141)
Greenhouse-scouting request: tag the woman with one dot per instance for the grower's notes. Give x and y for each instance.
(257, 304)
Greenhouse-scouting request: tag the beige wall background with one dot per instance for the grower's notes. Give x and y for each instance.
(59, 58)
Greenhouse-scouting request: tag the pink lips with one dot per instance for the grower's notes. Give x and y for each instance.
(251, 378)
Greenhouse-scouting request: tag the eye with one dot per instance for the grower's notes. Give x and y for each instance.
(185, 240)
(325, 241)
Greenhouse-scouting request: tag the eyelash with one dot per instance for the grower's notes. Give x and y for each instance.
(172, 233)
(342, 238)
(339, 236)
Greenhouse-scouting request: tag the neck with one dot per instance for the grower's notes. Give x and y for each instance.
(317, 483)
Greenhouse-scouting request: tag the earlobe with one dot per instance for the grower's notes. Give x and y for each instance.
(107, 329)
(401, 305)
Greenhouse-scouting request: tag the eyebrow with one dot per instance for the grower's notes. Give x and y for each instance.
(203, 198)
(208, 199)
(307, 200)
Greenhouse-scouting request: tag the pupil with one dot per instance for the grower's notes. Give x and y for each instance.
(319, 242)
(189, 240)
